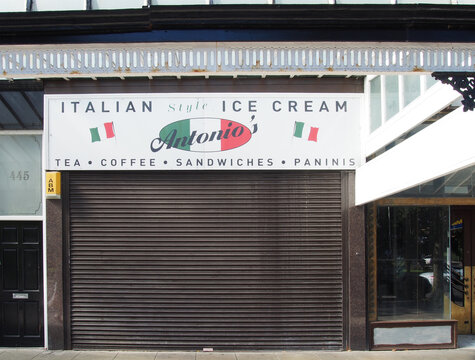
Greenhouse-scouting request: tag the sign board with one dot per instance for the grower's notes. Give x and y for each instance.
(53, 185)
(237, 131)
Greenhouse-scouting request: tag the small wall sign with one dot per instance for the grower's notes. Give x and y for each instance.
(53, 185)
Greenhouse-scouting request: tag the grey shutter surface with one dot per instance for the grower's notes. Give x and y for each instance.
(186, 260)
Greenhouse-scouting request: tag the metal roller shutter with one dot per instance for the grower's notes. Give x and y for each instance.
(186, 260)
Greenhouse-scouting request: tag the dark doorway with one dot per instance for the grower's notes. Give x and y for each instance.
(21, 284)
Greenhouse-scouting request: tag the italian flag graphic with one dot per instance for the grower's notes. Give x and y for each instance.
(204, 135)
(308, 132)
(99, 133)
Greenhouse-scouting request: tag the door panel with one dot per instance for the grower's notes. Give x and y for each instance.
(463, 269)
(21, 287)
(10, 266)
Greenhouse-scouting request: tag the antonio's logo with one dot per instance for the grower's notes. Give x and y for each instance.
(202, 135)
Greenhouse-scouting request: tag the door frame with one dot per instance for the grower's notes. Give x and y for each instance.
(468, 214)
(371, 226)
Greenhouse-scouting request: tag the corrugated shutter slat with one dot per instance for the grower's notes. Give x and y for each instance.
(186, 260)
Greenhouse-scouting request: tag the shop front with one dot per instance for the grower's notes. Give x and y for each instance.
(21, 217)
(204, 220)
(420, 264)
(236, 177)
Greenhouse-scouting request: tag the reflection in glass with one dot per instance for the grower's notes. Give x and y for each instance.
(457, 184)
(457, 261)
(20, 175)
(392, 96)
(412, 88)
(412, 270)
(375, 103)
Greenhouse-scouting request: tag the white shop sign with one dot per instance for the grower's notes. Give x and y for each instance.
(203, 131)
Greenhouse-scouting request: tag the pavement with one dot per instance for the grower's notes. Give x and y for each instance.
(465, 351)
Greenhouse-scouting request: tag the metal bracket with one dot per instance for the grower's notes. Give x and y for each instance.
(464, 83)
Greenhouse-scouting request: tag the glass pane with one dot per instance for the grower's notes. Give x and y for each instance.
(457, 184)
(363, 2)
(229, 2)
(457, 262)
(412, 88)
(12, 6)
(178, 2)
(412, 270)
(446, 2)
(301, 2)
(40, 5)
(29, 116)
(392, 96)
(375, 103)
(430, 81)
(117, 4)
(20, 175)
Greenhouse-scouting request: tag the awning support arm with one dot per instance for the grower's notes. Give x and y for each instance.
(464, 83)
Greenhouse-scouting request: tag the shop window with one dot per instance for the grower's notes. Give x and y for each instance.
(20, 175)
(441, 2)
(412, 88)
(413, 277)
(117, 4)
(392, 96)
(430, 81)
(12, 6)
(459, 184)
(298, 2)
(55, 5)
(375, 103)
(182, 2)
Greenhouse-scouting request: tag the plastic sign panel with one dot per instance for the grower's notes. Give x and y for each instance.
(53, 185)
(237, 131)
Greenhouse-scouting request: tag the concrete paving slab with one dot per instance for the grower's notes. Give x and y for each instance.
(257, 355)
(399, 355)
(175, 355)
(466, 341)
(136, 355)
(39, 354)
(466, 354)
(298, 355)
(348, 355)
(57, 355)
(20, 354)
(96, 355)
(215, 356)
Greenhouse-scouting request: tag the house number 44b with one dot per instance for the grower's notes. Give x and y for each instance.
(21, 175)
